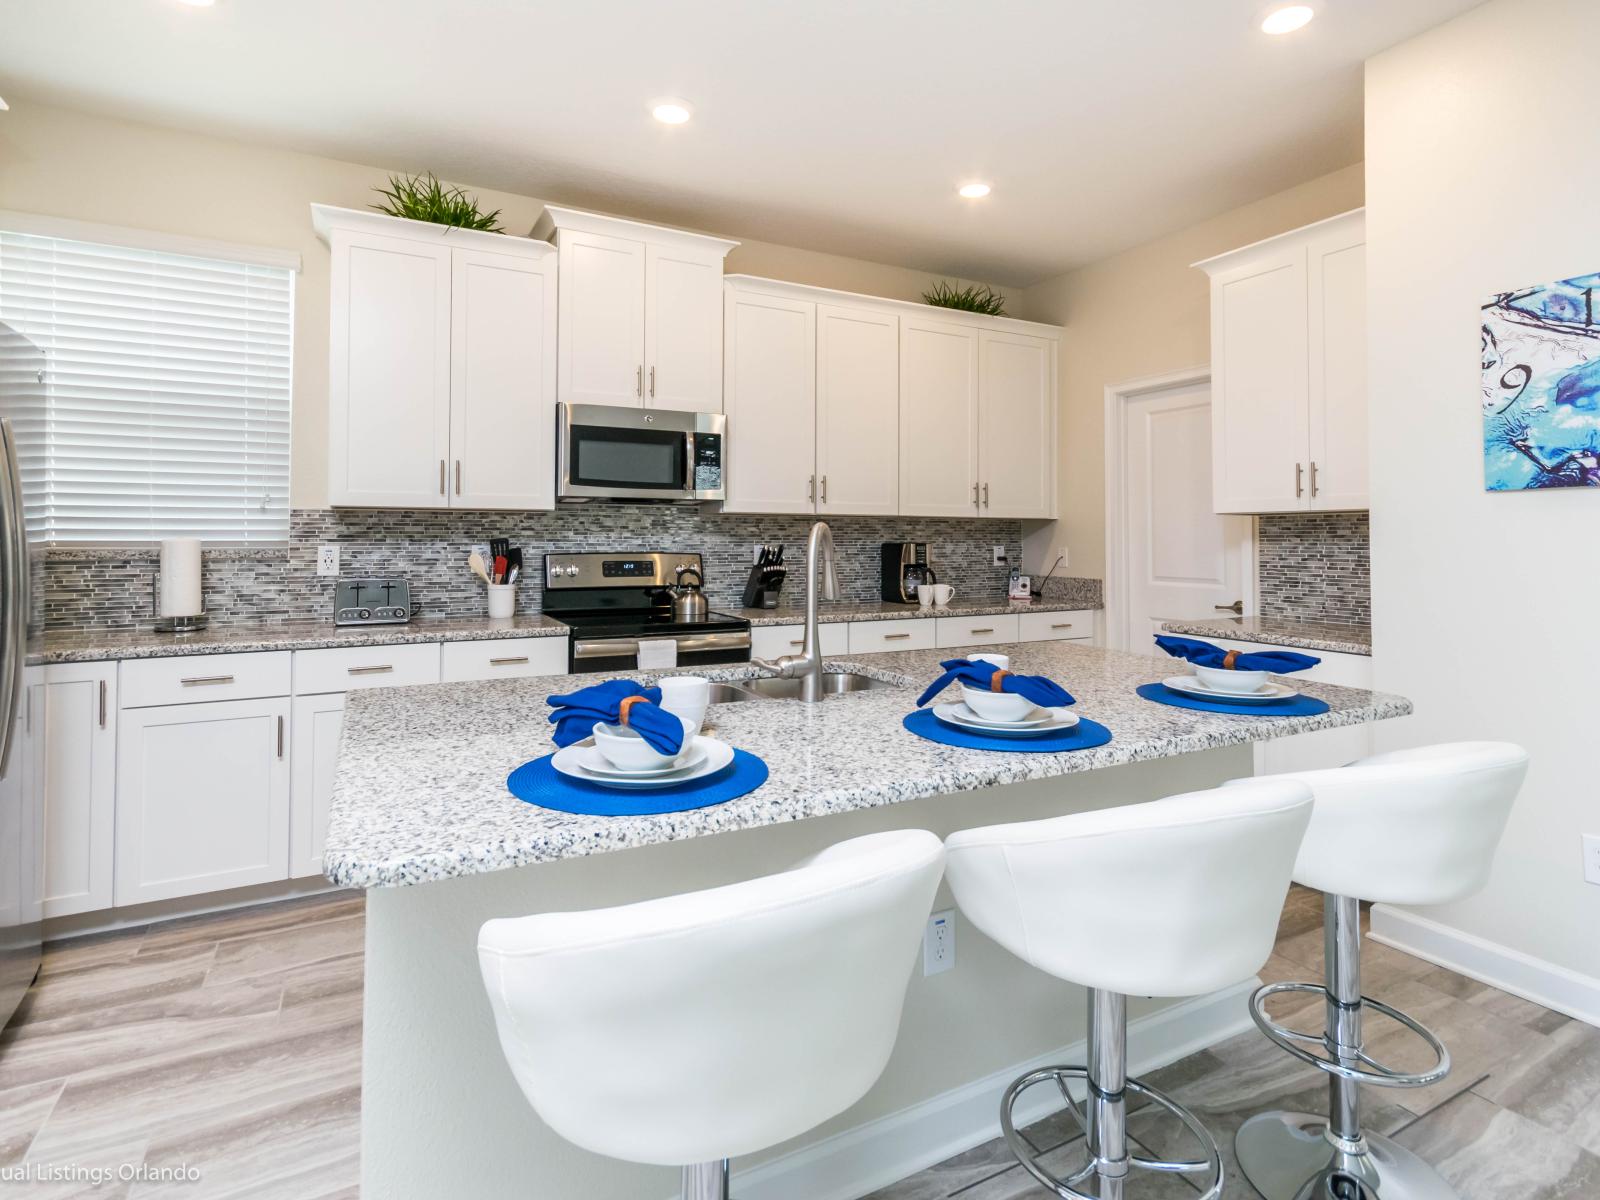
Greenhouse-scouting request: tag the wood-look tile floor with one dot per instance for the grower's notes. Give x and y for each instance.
(232, 1043)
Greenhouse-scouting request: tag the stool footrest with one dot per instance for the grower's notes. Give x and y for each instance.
(1295, 1041)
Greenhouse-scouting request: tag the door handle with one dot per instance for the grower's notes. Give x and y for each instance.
(986, 495)
(441, 477)
(1299, 488)
(1313, 479)
(638, 381)
(824, 489)
(1236, 607)
(652, 382)
(811, 490)
(280, 737)
(102, 704)
(974, 495)
(458, 477)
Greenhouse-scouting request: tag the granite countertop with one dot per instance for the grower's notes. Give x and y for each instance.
(1280, 631)
(237, 638)
(420, 790)
(830, 613)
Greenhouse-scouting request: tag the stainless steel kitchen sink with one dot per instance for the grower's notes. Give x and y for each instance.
(833, 684)
(727, 693)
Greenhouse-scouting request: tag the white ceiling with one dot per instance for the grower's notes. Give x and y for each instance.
(837, 125)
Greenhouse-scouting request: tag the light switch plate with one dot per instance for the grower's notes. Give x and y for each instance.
(939, 942)
(1591, 857)
(328, 558)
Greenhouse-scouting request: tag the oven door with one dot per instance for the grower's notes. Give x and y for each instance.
(606, 452)
(589, 655)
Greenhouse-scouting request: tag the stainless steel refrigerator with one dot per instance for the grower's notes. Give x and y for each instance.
(22, 696)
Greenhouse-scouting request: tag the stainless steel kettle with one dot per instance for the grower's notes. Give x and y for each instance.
(688, 601)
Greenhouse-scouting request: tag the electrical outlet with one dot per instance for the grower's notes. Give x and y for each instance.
(939, 942)
(1000, 559)
(1591, 857)
(328, 558)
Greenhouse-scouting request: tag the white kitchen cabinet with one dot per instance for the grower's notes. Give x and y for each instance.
(1074, 625)
(641, 313)
(901, 633)
(202, 798)
(939, 427)
(1017, 424)
(858, 410)
(774, 641)
(318, 724)
(770, 390)
(80, 786)
(441, 387)
(350, 668)
(1288, 371)
(975, 631)
(503, 658)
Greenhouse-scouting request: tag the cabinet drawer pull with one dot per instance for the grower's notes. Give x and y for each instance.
(379, 670)
(280, 737)
(1063, 625)
(895, 637)
(508, 662)
(798, 642)
(982, 630)
(205, 680)
(102, 704)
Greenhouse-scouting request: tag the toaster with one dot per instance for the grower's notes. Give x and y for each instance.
(371, 602)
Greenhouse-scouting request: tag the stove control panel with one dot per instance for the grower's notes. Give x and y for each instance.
(371, 602)
(627, 570)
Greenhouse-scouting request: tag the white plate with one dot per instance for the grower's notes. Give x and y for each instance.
(1190, 686)
(718, 754)
(958, 716)
(595, 763)
(1039, 716)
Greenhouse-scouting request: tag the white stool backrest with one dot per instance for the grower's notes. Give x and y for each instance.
(1416, 826)
(1171, 898)
(712, 1024)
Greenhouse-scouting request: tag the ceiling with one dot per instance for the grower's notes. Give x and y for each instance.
(837, 125)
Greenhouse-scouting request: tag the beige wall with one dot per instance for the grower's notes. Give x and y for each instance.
(1483, 603)
(1141, 313)
(86, 168)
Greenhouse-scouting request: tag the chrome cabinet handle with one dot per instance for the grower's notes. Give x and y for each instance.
(441, 477)
(1299, 489)
(981, 631)
(824, 489)
(458, 477)
(986, 495)
(638, 381)
(507, 662)
(280, 737)
(895, 637)
(652, 382)
(798, 642)
(102, 704)
(1313, 479)
(974, 495)
(205, 680)
(811, 490)
(384, 669)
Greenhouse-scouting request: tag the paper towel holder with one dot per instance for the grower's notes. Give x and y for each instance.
(174, 625)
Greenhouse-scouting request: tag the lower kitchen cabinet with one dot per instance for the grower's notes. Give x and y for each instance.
(975, 631)
(80, 787)
(202, 798)
(318, 724)
(774, 641)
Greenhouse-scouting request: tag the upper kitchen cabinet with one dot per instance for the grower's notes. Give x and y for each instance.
(938, 418)
(1288, 371)
(442, 365)
(1017, 424)
(641, 312)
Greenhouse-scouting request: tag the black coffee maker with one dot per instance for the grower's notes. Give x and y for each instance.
(905, 569)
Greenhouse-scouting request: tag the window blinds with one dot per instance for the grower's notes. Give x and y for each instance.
(165, 393)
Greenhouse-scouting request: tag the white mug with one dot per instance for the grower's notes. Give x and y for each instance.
(925, 594)
(687, 698)
(942, 593)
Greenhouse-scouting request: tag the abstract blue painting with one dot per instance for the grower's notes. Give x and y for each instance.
(1541, 386)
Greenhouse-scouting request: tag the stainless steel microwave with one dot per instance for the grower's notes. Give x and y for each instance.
(607, 452)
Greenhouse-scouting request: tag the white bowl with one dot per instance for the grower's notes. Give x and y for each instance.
(1231, 681)
(997, 706)
(625, 750)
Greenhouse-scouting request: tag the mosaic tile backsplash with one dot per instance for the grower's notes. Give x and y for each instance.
(1315, 567)
(111, 589)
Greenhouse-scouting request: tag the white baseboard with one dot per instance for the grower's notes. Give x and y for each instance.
(1499, 966)
(874, 1155)
(106, 920)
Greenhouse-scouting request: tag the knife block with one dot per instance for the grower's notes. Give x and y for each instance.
(762, 587)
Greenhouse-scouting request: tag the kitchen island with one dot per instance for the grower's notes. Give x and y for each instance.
(421, 817)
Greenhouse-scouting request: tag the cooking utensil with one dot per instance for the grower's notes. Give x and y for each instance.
(479, 567)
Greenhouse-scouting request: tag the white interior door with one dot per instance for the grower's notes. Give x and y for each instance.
(1181, 559)
(683, 329)
(858, 410)
(601, 326)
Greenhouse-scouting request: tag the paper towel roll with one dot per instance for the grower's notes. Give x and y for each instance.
(180, 577)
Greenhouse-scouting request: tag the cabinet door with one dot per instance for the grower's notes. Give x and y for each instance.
(1259, 416)
(202, 798)
(938, 419)
(389, 372)
(683, 329)
(502, 381)
(858, 410)
(1017, 432)
(770, 391)
(80, 787)
(1337, 288)
(600, 331)
(318, 721)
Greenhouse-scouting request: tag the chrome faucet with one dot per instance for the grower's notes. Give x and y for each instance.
(807, 665)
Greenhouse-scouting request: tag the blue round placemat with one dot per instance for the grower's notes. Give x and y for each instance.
(1299, 706)
(538, 782)
(1084, 735)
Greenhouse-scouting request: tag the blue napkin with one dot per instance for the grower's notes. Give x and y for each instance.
(577, 713)
(1204, 654)
(1046, 693)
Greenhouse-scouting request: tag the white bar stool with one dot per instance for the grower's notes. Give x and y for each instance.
(1173, 898)
(1413, 827)
(688, 1030)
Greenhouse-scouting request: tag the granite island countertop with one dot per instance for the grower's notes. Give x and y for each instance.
(420, 790)
(1280, 631)
(881, 610)
(239, 637)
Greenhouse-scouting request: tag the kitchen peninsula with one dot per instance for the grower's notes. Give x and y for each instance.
(422, 818)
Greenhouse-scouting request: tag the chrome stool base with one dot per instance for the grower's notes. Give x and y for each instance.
(1288, 1156)
(706, 1181)
(1097, 1168)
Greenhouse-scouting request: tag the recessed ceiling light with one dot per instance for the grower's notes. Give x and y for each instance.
(671, 112)
(4, 107)
(974, 191)
(198, 3)
(1287, 19)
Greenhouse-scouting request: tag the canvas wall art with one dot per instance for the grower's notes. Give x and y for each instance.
(1541, 386)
